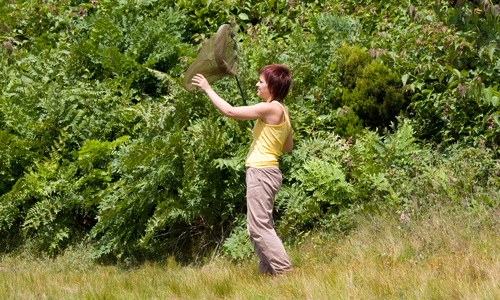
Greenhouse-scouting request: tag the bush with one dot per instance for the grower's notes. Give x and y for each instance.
(372, 91)
(377, 97)
(351, 64)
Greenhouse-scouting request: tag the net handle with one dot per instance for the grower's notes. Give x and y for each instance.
(242, 96)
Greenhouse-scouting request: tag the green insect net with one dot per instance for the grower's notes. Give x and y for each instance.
(217, 58)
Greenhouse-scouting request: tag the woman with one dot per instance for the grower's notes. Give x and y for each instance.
(272, 134)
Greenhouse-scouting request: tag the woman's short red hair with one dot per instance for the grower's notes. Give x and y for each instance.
(278, 80)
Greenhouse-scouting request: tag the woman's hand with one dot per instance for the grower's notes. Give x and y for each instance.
(201, 82)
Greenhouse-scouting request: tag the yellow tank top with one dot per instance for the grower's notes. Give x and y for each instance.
(268, 142)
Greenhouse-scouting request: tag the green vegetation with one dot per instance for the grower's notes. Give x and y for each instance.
(395, 109)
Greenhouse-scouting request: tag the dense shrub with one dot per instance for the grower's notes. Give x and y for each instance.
(377, 97)
(371, 90)
(448, 58)
(351, 64)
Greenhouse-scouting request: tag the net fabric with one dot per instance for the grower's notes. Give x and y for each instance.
(217, 58)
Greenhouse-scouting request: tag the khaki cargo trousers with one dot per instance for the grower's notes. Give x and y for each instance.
(262, 187)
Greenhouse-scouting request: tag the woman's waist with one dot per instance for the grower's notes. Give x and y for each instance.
(262, 158)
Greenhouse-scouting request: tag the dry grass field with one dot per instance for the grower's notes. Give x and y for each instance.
(445, 255)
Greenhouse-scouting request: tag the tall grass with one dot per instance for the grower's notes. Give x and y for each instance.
(448, 253)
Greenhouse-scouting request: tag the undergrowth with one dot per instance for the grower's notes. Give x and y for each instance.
(99, 141)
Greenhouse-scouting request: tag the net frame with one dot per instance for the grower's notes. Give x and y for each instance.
(217, 58)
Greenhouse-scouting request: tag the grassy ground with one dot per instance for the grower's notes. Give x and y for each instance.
(448, 254)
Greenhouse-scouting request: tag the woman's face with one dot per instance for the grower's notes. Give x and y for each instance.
(262, 89)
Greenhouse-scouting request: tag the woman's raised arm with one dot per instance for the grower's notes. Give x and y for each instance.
(253, 112)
